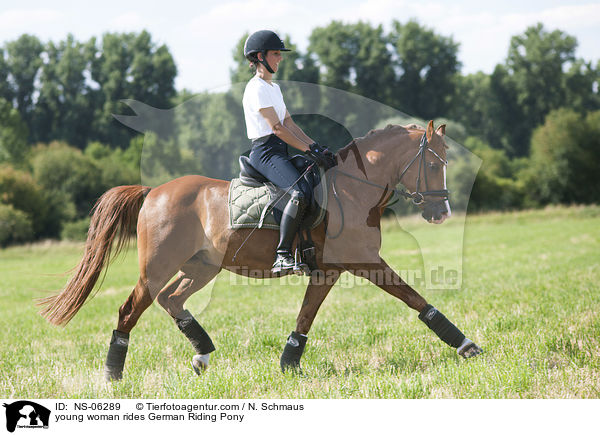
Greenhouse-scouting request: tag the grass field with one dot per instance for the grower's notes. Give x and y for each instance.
(530, 298)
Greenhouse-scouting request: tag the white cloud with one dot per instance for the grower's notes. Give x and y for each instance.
(226, 22)
(129, 21)
(26, 20)
(572, 17)
(253, 11)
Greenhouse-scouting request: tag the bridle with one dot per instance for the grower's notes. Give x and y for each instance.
(417, 197)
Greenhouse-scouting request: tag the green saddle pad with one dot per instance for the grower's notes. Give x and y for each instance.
(246, 205)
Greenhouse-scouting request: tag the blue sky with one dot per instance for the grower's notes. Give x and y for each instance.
(201, 34)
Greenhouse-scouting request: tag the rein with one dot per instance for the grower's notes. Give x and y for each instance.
(417, 197)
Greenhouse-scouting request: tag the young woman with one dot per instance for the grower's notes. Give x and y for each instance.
(271, 129)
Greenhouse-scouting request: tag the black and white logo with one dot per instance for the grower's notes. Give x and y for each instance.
(24, 414)
(430, 314)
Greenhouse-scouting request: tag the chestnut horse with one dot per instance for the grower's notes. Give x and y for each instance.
(183, 230)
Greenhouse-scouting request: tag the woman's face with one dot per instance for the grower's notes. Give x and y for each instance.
(273, 58)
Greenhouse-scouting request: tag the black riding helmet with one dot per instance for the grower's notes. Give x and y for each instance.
(260, 42)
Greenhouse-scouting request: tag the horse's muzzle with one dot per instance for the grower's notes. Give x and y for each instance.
(435, 211)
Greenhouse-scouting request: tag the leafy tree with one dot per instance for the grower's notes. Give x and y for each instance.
(427, 65)
(24, 61)
(540, 74)
(565, 158)
(582, 86)
(476, 107)
(496, 187)
(114, 168)
(153, 71)
(536, 60)
(13, 134)
(211, 135)
(130, 66)
(65, 106)
(15, 226)
(133, 154)
(6, 91)
(63, 170)
(512, 126)
(354, 58)
(531, 83)
(20, 191)
(44, 209)
(241, 71)
(69, 90)
(76, 230)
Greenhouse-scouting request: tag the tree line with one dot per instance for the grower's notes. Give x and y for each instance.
(533, 120)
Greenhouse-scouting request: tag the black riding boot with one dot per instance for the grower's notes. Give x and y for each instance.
(290, 223)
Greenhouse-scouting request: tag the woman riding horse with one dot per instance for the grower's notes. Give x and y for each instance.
(271, 129)
(185, 238)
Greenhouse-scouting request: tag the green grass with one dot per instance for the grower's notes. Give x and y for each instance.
(530, 298)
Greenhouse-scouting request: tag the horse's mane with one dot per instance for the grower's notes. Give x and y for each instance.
(379, 134)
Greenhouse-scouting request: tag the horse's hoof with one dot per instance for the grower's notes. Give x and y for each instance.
(469, 349)
(200, 363)
(112, 374)
(291, 367)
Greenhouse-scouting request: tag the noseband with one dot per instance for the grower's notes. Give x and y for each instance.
(417, 197)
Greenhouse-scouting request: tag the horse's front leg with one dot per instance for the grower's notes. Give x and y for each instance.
(316, 292)
(384, 277)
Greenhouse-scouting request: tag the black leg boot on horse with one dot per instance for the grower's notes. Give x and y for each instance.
(117, 352)
(291, 219)
(199, 339)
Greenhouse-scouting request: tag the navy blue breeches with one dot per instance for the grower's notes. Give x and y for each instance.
(271, 159)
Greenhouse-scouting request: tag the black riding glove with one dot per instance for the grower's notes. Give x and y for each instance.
(322, 149)
(322, 156)
(318, 158)
(329, 155)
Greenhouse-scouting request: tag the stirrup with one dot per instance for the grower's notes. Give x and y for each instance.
(286, 264)
(300, 268)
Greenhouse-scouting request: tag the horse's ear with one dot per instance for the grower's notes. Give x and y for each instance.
(429, 130)
(441, 130)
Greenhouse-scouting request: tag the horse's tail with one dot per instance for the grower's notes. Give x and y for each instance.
(115, 215)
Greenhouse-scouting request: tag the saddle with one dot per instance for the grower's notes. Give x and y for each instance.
(255, 202)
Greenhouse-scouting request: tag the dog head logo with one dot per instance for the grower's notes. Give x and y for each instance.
(26, 414)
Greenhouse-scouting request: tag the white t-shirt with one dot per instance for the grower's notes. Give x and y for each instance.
(258, 95)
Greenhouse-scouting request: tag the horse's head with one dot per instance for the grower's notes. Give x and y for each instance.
(424, 175)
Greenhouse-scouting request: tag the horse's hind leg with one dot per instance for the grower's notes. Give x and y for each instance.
(129, 313)
(154, 274)
(195, 274)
